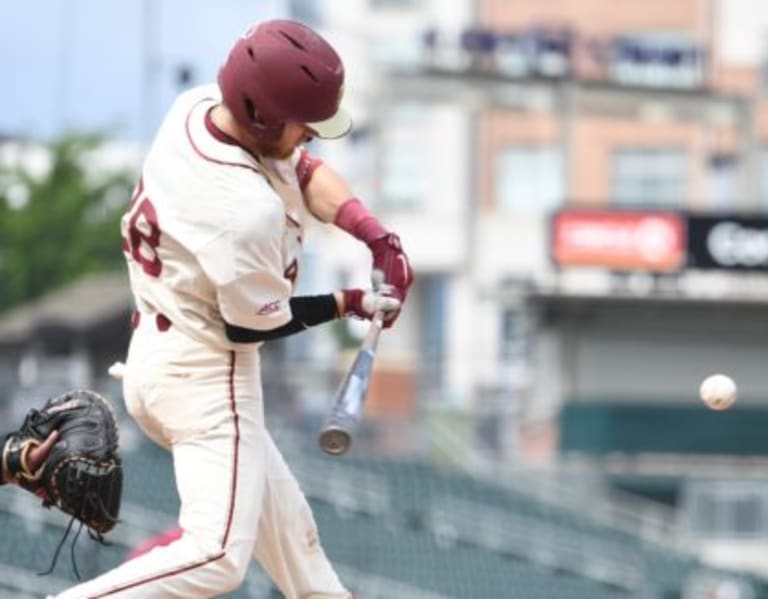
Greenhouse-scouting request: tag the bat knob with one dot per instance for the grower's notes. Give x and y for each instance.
(335, 441)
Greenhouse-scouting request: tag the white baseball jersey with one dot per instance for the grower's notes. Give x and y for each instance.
(213, 233)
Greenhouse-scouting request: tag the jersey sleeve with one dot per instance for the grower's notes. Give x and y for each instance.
(245, 264)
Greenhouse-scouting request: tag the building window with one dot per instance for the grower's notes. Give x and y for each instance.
(723, 181)
(405, 156)
(657, 59)
(389, 50)
(728, 509)
(762, 163)
(529, 179)
(432, 310)
(649, 177)
(513, 339)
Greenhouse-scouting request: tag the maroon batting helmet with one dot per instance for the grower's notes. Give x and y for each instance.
(283, 71)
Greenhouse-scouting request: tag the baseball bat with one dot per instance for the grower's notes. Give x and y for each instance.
(336, 435)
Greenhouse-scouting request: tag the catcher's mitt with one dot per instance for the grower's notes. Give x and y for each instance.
(82, 474)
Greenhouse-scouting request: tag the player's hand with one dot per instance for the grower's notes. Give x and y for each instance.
(37, 455)
(391, 269)
(359, 303)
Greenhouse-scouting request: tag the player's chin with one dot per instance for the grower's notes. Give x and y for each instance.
(278, 153)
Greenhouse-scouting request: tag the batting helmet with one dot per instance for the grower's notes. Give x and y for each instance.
(283, 71)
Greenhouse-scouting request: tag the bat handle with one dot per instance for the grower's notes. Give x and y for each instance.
(372, 337)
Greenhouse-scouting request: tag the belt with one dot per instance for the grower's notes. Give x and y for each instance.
(162, 322)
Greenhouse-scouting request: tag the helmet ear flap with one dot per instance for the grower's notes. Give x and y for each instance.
(266, 130)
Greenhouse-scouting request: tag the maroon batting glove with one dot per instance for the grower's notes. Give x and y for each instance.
(389, 259)
(363, 304)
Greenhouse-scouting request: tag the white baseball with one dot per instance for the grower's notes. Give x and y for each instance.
(718, 391)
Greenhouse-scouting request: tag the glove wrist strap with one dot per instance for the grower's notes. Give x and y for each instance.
(15, 454)
(354, 218)
(353, 299)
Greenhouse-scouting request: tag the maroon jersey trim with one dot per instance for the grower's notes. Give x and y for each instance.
(205, 156)
(217, 133)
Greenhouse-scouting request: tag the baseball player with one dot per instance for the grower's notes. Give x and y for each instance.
(213, 239)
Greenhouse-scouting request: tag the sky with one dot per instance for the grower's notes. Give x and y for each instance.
(113, 65)
(82, 64)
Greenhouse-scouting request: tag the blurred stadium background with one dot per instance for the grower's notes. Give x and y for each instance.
(582, 186)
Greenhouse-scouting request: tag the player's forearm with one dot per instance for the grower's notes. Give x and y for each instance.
(324, 190)
(307, 311)
(330, 199)
(326, 208)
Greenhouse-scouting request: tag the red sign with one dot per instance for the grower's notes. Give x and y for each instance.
(649, 241)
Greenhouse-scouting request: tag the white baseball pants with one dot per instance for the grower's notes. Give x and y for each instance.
(238, 498)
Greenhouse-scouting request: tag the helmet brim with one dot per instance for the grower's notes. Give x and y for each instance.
(337, 126)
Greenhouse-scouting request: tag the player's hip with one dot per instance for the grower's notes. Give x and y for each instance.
(177, 387)
(156, 340)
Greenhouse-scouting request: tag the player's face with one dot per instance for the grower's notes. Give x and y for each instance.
(294, 135)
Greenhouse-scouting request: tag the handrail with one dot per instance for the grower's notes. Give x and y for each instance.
(622, 511)
(361, 490)
(632, 514)
(678, 464)
(355, 490)
(539, 541)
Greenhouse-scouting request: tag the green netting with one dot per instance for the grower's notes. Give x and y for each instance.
(404, 529)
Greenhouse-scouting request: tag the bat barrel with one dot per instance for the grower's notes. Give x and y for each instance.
(335, 440)
(336, 435)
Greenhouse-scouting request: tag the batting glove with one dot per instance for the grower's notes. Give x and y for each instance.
(390, 266)
(359, 303)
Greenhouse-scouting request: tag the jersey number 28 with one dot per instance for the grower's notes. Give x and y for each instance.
(142, 238)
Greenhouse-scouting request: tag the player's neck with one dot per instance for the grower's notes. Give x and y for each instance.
(224, 120)
(226, 123)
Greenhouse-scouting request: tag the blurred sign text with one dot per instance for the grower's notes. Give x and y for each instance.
(623, 241)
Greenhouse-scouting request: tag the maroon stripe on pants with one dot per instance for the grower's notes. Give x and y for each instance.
(158, 576)
(231, 510)
(236, 450)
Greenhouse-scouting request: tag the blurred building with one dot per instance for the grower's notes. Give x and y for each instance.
(66, 339)
(581, 187)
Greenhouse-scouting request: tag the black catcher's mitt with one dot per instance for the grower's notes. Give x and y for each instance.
(82, 474)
